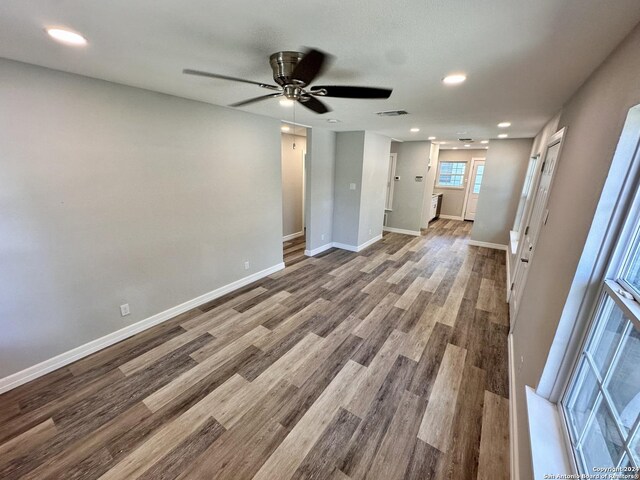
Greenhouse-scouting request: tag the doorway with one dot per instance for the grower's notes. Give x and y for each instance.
(473, 188)
(294, 149)
(536, 219)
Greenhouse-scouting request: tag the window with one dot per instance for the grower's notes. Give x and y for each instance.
(478, 180)
(451, 174)
(602, 404)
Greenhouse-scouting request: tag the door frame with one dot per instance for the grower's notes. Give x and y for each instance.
(514, 306)
(470, 183)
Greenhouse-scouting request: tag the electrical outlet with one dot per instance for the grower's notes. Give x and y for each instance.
(246, 265)
(352, 186)
(369, 231)
(322, 237)
(124, 310)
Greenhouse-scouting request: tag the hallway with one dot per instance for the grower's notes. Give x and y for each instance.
(386, 364)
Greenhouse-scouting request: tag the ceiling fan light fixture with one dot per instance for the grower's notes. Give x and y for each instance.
(285, 102)
(285, 128)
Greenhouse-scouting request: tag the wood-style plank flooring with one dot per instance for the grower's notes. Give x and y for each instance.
(293, 250)
(386, 364)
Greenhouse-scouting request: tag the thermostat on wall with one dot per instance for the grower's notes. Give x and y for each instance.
(419, 178)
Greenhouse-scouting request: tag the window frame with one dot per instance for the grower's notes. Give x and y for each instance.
(617, 228)
(464, 174)
(613, 291)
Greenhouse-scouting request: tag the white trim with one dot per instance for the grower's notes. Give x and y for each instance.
(344, 246)
(401, 230)
(35, 371)
(508, 263)
(513, 416)
(495, 246)
(316, 251)
(292, 236)
(451, 217)
(353, 248)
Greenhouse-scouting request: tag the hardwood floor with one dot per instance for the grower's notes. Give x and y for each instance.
(386, 364)
(293, 250)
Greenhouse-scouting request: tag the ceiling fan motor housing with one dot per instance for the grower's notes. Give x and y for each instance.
(283, 64)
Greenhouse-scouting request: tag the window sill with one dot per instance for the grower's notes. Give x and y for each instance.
(449, 188)
(549, 451)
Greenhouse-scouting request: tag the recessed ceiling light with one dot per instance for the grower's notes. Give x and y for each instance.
(285, 128)
(504, 124)
(467, 145)
(454, 79)
(285, 102)
(431, 138)
(443, 143)
(66, 36)
(484, 141)
(414, 130)
(503, 135)
(455, 148)
(486, 148)
(333, 120)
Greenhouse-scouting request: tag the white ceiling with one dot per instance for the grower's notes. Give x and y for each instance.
(523, 58)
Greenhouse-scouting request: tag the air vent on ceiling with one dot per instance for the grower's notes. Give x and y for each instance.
(392, 113)
(466, 140)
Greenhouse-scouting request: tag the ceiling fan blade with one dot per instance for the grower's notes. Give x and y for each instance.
(350, 92)
(314, 104)
(309, 67)
(188, 71)
(255, 99)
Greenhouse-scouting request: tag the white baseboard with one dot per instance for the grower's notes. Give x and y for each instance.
(369, 243)
(315, 251)
(344, 246)
(357, 248)
(401, 230)
(31, 373)
(508, 263)
(513, 416)
(450, 217)
(495, 246)
(292, 236)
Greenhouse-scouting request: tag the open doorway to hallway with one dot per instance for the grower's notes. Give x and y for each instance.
(294, 150)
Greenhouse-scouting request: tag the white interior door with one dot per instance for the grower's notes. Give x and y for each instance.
(535, 222)
(473, 192)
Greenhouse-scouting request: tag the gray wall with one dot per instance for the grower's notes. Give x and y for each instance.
(408, 195)
(292, 178)
(348, 169)
(321, 159)
(504, 173)
(112, 194)
(453, 198)
(375, 168)
(594, 118)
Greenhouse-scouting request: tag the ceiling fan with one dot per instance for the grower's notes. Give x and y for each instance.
(294, 72)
